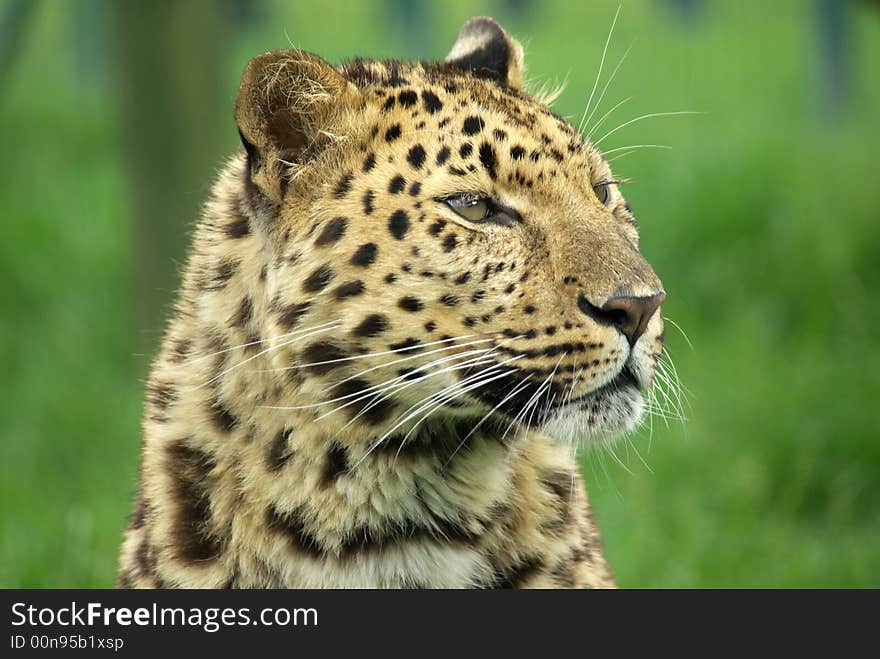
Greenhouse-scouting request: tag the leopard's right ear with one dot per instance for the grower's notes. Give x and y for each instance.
(286, 106)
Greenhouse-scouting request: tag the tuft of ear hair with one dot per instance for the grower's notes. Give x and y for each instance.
(287, 102)
(483, 47)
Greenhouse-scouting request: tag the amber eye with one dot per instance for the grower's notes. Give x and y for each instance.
(603, 193)
(470, 208)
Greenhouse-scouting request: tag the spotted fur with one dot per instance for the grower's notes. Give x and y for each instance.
(358, 386)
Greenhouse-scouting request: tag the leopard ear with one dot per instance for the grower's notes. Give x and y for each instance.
(287, 103)
(488, 51)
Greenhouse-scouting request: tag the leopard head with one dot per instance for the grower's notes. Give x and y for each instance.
(443, 246)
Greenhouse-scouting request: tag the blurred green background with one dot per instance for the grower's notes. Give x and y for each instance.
(763, 221)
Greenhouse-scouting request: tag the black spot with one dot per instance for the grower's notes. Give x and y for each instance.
(487, 159)
(225, 271)
(244, 313)
(499, 134)
(466, 150)
(181, 350)
(124, 580)
(408, 346)
(416, 156)
(279, 451)
(336, 465)
(560, 485)
(366, 403)
(443, 155)
(317, 355)
(193, 538)
(415, 188)
(291, 525)
(390, 278)
(159, 396)
(408, 98)
(478, 295)
(463, 278)
(517, 153)
(436, 228)
(450, 242)
(450, 300)
(145, 558)
(238, 228)
(365, 255)
(368, 202)
(399, 224)
(392, 133)
(430, 326)
(472, 125)
(389, 103)
(348, 289)
(139, 515)
(410, 304)
(529, 309)
(290, 315)
(410, 373)
(318, 280)
(563, 574)
(343, 186)
(372, 325)
(397, 184)
(432, 102)
(519, 574)
(457, 171)
(369, 163)
(333, 231)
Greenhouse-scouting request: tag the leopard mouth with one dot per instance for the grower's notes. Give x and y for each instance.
(624, 379)
(614, 409)
(536, 404)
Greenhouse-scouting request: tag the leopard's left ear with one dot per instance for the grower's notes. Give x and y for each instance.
(489, 52)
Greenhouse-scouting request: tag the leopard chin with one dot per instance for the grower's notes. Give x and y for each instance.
(605, 414)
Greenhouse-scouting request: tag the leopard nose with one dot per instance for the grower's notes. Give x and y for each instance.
(629, 314)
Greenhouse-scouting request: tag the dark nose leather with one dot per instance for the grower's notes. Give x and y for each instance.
(629, 314)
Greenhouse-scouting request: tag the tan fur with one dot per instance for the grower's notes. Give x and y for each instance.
(267, 462)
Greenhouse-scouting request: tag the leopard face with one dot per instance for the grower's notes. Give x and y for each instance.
(444, 247)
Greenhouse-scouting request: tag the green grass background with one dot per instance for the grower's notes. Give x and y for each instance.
(763, 221)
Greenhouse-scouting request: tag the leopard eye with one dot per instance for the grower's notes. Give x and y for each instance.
(470, 208)
(603, 193)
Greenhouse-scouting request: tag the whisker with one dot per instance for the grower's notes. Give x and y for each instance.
(601, 65)
(379, 386)
(427, 403)
(416, 355)
(376, 354)
(605, 89)
(383, 394)
(267, 350)
(636, 147)
(516, 390)
(641, 118)
(679, 328)
(195, 360)
(606, 115)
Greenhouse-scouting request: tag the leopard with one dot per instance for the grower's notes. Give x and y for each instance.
(412, 291)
